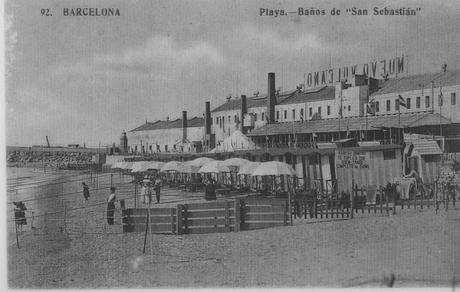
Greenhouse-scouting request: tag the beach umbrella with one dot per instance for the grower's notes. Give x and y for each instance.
(155, 164)
(187, 168)
(199, 162)
(214, 167)
(248, 168)
(139, 166)
(235, 162)
(275, 168)
(171, 166)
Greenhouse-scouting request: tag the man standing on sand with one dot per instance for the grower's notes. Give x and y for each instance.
(111, 206)
(85, 191)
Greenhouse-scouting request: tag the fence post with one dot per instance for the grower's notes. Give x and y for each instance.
(351, 198)
(179, 209)
(386, 201)
(135, 195)
(286, 214)
(173, 226)
(236, 206)
(227, 216)
(111, 180)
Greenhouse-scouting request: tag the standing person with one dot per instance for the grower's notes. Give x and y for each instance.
(144, 191)
(20, 214)
(157, 188)
(111, 206)
(85, 191)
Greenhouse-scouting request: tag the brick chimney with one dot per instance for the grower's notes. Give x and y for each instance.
(271, 98)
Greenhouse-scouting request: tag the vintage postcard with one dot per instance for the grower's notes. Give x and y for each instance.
(231, 144)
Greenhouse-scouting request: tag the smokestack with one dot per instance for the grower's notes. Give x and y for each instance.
(271, 98)
(207, 118)
(244, 110)
(184, 126)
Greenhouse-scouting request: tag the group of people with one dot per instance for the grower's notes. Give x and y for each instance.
(110, 202)
(146, 191)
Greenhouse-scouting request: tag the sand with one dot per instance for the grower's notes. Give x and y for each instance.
(420, 247)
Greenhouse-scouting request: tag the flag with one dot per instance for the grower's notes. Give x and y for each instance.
(401, 101)
(370, 108)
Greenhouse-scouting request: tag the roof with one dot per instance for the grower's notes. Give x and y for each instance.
(353, 124)
(426, 147)
(414, 82)
(194, 122)
(251, 102)
(315, 94)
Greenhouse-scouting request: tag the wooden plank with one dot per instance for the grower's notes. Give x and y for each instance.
(210, 222)
(207, 213)
(227, 217)
(202, 230)
(264, 209)
(155, 219)
(260, 225)
(153, 211)
(266, 217)
(207, 206)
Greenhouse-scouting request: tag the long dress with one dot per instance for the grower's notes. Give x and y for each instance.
(110, 208)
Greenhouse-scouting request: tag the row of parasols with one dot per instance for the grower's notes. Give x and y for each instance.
(205, 165)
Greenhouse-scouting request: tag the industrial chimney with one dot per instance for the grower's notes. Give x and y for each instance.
(271, 98)
(207, 118)
(123, 143)
(184, 126)
(244, 111)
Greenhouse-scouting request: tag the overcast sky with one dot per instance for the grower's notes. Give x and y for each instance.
(87, 79)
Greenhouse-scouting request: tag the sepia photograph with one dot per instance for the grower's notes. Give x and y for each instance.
(231, 144)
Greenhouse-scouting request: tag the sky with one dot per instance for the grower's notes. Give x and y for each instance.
(87, 79)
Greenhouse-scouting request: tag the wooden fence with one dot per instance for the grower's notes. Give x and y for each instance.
(263, 213)
(320, 207)
(163, 220)
(210, 217)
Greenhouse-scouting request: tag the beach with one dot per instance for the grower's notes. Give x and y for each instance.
(419, 247)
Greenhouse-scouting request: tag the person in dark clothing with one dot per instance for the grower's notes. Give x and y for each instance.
(210, 191)
(111, 206)
(157, 188)
(85, 191)
(19, 214)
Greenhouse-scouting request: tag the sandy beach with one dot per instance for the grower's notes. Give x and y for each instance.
(420, 247)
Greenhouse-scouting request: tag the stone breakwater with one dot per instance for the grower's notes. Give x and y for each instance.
(66, 160)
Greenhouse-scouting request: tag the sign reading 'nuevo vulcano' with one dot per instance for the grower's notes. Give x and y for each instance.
(375, 69)
(352, 159)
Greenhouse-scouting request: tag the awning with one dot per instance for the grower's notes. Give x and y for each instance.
(426, 147)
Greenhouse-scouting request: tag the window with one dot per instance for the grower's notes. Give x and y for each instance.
(408, 103)
(427, 101)
(389, 155)
(453, 98)
(263, 116)
(377, 106)
(255, 117)
(293, 114)
(349, 108)
(285, 114)
(396, 104)
(328, 110)
(319, 110)
(310, 112)
(417, 102)
(301, 113)
(277, 115)
(388, 105)
(229, 119)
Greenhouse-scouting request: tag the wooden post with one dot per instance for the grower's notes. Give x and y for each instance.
(286, 208)
(145, 234)
(150, 228)
(173, 226)
(17, 236)
(111, 180)
(381, 202)
(179, 209)
(237, 206)
(135, 195)
(227, 216)
(386, 201)
(351, 196)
